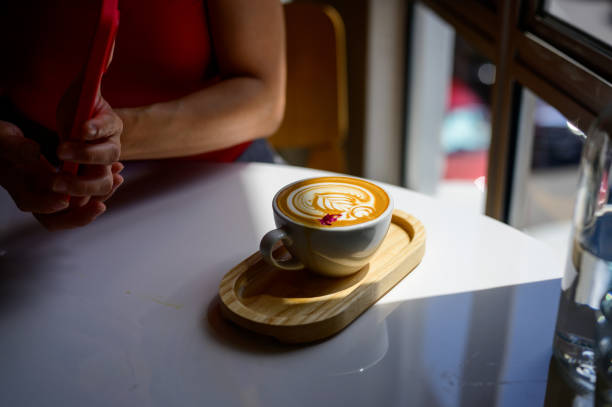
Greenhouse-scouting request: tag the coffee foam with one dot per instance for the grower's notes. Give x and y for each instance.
(355, 200)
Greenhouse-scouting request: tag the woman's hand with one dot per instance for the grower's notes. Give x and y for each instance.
(99, 142)
(37, 187)
(96, 151)
(26, 174)
(82, 210)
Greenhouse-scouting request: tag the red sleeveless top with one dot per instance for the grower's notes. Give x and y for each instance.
(163, 51)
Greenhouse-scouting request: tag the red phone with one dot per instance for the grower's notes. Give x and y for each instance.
(97, 61)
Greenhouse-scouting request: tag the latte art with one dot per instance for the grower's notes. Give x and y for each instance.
(349, 200)
(315, 201)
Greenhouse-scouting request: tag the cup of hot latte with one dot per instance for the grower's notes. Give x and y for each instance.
(330, 225)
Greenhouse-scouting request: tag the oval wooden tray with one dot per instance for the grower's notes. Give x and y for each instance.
(299, 306)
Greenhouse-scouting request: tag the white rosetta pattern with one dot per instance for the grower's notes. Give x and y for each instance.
(314, 201)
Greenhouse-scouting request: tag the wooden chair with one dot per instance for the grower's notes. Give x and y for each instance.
(316, 114)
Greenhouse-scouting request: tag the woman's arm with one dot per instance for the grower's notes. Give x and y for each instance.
(249, 43)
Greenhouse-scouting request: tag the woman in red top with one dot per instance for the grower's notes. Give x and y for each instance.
(188, 77)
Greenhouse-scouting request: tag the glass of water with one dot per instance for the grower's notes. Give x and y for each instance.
(583, 335)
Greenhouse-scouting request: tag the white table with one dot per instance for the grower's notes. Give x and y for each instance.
(124, 312)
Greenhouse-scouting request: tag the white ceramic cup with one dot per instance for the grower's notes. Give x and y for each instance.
(330, 251)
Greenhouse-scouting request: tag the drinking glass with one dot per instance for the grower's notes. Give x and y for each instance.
(583, 334)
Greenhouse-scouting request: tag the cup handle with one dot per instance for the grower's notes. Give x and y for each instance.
(268, 242)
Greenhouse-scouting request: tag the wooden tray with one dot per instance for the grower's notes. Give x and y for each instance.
(299, 306)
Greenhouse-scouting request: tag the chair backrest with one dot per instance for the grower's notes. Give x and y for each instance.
(316, 114)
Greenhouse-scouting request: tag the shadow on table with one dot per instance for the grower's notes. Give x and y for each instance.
(143, 180)
(237, 338)
(287, 284)
(487, 347)
(146, 179)
(31, 257)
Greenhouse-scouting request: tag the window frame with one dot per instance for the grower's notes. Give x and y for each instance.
(557, 63)
(579, 45)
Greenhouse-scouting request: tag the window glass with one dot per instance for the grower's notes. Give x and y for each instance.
(551, 183)
(593, 17)
(466, 128)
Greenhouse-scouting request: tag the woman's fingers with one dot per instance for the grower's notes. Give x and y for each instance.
(117, 181)
(100, 139)
(30, 185)
(82, 209)
(117, 167)
(92, 180)
(103, 153)
(78, 201)
(72, 217)
(41, 203)
(105, 124)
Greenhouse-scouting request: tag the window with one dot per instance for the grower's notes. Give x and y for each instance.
(449, 114)
(590, 17)
(558, 49)
(546, 174)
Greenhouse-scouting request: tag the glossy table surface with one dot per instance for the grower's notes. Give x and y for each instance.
(124, 312)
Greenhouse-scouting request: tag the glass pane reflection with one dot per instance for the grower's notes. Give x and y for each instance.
(552, 180)
(484, 348)
(593, 17)
(466, 129)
